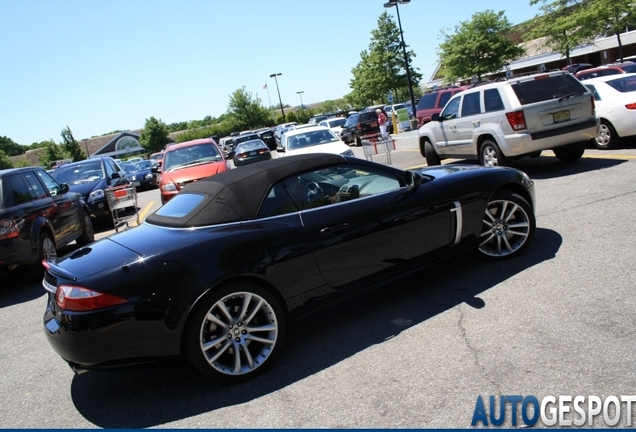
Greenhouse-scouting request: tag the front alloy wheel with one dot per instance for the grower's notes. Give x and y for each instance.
(235, 332)
(508, 226)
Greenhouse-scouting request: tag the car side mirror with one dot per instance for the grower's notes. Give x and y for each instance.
(413, 180)
(115, 175)
(231, 154)
(154, 169)
(280, 149)
(64, 188)
(435, 117)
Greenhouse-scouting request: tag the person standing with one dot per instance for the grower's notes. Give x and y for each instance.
(382, 122)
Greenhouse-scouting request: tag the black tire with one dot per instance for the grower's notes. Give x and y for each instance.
(491, 155)
(570, 153)
(240, 352)
(432, 158)
(46, 250)
(358, 141)
(88, 232)
(508, 226)
(607, 138)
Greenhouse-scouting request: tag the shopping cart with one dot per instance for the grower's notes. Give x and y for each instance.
(376, 144)
(119, 199)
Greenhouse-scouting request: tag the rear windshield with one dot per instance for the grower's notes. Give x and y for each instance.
(547, 87)
(427, 101)
(623, 84)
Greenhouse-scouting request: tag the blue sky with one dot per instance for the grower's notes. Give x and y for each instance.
(102, 65)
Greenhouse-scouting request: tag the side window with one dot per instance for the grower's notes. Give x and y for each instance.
(451, 109)
(20, 190)
(444, 97)
(592, 88)
(427, 101)
(50, 183)
(36, 188)
(110, 168)
(492, 100)
(470, 105)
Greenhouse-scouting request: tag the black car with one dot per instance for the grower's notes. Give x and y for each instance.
(267, 135)
(38, 216)
(218, 272)
(142, 174)
(249, 152)
(359, 125)
(90, 178)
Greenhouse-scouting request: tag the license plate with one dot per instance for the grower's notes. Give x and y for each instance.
(136, 184)
(561, 116)
(253, 153)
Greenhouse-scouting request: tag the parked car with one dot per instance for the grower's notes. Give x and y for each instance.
(510, 119)
(434, 101)
(135, 159)
(249, 152)
(143, 174)
(267, 136)
(334, 123)
(576, 67)
(38, 216)
(615, 97)
(188, 162)
(359, 125)
(315, 120)
(251, 136)
(226, 144)
(158, 157)
(313, 139)
(220, 272)
(90, 178)
(280, 130)
(611, 69)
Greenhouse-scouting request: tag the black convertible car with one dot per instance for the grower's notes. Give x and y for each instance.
(216, 274)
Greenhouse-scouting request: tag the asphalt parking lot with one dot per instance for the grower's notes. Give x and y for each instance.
(417, 354)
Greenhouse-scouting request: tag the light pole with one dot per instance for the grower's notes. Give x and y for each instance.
(274, 75)
(395, 3)
(300, 93)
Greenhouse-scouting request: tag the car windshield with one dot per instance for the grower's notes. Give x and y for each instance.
(311, 138)
(78, 174)
(336, 122)
(191, 155)
(546, 87)
(250, 145)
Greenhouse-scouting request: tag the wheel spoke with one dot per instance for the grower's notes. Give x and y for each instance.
(254, 311)
(211, 317)
(246, 303)
(248, 355)
(265, 341)
(223, 307)
(206, 346)
(220, 352)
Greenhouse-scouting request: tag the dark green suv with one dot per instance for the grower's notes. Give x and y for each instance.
(359, 125)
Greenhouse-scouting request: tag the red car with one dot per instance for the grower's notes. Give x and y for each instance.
(188, 162)
(433, 102)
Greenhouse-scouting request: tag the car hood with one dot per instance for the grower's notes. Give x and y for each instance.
(334, 148)
(195, 172)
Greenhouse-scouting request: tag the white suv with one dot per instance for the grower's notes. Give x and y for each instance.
(505, 120)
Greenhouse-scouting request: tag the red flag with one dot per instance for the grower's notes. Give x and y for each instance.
(265, 86)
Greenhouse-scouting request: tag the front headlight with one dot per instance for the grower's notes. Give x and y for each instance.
(133, 178)
(170, 187)
(96, 195)
(347, 153)
(148, 176)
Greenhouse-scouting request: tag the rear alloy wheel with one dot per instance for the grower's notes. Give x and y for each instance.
(490, 154)
(46, 248)
(431, 157)
(570, 153)
(235, 333)
(508, 226)
(88, 232)
(606, 139)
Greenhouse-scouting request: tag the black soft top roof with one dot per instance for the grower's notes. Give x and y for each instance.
(237, 194)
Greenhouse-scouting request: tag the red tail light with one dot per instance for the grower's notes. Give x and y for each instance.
(517, 120)
(593, 105)
(78, 299)
(358, 126)
(631, 106)
(241, 155)
(8, 229)
(263, 151)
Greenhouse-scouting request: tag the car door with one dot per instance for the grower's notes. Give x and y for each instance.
(377, 227)
(468, 123)
(67, 204)
(445, 134)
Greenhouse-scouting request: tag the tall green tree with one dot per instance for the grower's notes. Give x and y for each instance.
(559, 26)
(154, 135)
(5, 162)
(11, 148)
(246, 110)
(609, 18)
(53, 152)
(71, 145)
(478, 47)
(382, 69)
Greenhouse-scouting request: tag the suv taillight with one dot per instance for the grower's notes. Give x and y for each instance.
(358, 126)
(8, 229)
(517, 120)
(593, 106)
